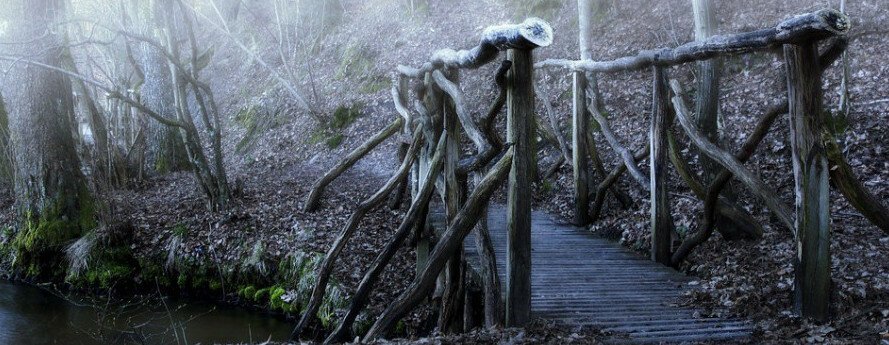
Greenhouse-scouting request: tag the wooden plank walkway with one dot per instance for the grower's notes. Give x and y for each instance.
(580, 279)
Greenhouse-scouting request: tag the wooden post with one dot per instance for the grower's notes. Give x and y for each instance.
(520, 118)
(580, 126)
(450, 315)
(661, 221)
(812, 264)
(421, 231)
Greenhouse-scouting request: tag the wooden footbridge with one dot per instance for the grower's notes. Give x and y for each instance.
(580, 279)
(557, 271)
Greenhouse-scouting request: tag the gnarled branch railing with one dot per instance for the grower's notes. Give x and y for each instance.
(810, 27)
(813, 146)
(438, 113)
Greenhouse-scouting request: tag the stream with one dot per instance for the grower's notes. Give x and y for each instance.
(33, 315)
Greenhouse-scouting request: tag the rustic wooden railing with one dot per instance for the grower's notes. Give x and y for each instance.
(432, 111)
(799, 36)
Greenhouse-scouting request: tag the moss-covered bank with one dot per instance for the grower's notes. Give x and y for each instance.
(102, 262)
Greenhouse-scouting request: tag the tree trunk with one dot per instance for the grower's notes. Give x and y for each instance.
(707, 111)
(6, 162)
(165, 149)
(51, 192)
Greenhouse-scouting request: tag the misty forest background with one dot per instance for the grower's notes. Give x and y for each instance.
(171, 144)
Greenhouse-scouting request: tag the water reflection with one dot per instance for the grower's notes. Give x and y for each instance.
(31, 315)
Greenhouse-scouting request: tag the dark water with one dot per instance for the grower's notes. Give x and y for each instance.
(32, 315)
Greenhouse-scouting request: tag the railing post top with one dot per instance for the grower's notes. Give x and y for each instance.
(529, 34)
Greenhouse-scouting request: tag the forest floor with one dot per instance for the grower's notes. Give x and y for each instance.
(746, 279)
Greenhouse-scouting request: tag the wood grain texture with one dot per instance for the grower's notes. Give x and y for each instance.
(661, 219)
(580, 151)
(520, 132)
(812, 271)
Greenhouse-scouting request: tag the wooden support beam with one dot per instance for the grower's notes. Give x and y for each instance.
(661, 220)
(463, 223)
(399, 96)
(520, 132)
(812, 271)
(313, 200)
(580, 126)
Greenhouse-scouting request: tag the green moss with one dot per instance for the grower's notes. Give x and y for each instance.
(256, 121)
(180, 230)
(345, 115)
(261, 294)
(546, 187)
(275, 301)
(111, 267)
(400, 327)
(334, 141)
(333, 300)
(39, 244)
(375, 85)
(171, 155)
(247, 292)
(331, 133)
(357, 61)
(151, 271)
(317, 137)
(182, 280)
(362, 323)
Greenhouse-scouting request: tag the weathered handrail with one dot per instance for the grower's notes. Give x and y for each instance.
(806, 27)
(530, 34)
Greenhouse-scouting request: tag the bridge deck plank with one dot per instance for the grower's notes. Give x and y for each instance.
(580, 279)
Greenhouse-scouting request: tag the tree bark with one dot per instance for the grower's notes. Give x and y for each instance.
(6, 154)
(609, 182)
(661, 218)
(580, 150)
(707, 110)
(51, 191)
(165, 150)
(812, 263)
(845, 179)
(450, 313)
(520, 115)
(625, 154)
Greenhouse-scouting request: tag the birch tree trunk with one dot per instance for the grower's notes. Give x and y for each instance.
(51, 191)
